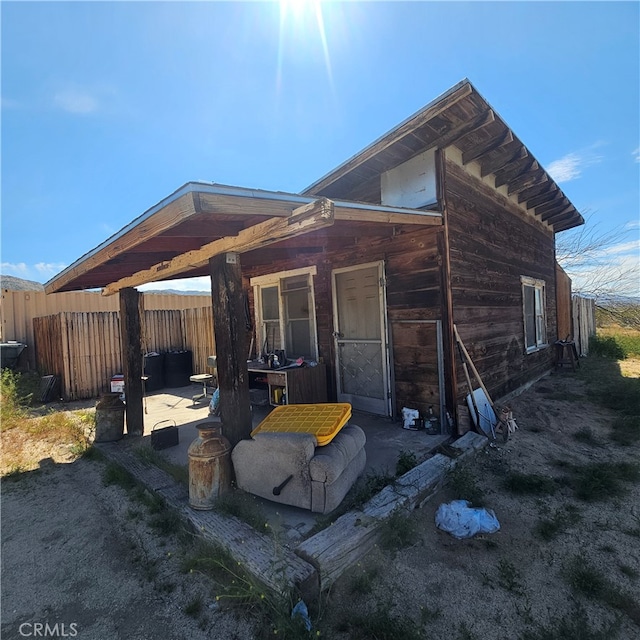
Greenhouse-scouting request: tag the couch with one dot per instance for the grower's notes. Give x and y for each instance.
(290, 469)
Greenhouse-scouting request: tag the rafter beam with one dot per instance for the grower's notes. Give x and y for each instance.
(467, 128)
(513, 170)
(526, 180)
(546, 209)
(547, 196)
(552, 216)
(488, 146)
(309, 217)
(535, 190)
(512, 151)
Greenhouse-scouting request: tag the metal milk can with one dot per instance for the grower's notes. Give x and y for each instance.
(109, 418)
(209, 466)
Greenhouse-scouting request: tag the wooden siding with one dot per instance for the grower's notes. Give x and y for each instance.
(413, 292)
(493, 242)
(19, 308)
(84, 349)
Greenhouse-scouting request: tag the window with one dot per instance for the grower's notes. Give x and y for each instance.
(285, 313)
(533, 304)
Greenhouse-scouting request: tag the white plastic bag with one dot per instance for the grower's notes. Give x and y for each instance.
(408, 417)
(463, 521)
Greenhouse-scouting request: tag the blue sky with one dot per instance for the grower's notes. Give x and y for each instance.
(109, 107)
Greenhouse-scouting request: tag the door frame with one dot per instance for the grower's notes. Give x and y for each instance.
(384, 329)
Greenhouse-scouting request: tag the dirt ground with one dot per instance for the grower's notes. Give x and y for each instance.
(77, 552)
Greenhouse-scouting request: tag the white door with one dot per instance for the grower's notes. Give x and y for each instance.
(360, 336)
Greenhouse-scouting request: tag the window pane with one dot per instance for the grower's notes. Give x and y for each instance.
(270, 310)
(299, 340)
(529, 316)
(297, 305)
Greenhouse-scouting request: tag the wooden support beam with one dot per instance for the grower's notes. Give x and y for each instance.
(526, 180)
(546, 196)
(231, 345)
(514, 169)
(465, 129)
(549, 208)
(536, 189)
(169, 216)
(509, 153)
(387, 217)
(560, 215)
(309, 217)
(131, 314)
(475, 153)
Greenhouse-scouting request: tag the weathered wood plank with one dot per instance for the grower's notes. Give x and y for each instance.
(132, 357)
(304, 219)
(476, 152)
(231, 345)
(272, 564)
(346, 541)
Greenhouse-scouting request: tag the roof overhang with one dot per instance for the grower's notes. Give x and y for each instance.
(176, 237)
(463, 118)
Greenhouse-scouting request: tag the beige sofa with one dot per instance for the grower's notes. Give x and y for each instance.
(290, 469)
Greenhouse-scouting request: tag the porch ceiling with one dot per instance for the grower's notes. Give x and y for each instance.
(176, 237)
(463, 118)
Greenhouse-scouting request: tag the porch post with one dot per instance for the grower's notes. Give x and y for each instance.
(231, 348)
(131, 309)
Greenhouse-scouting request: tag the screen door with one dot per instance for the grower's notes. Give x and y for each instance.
(360, 338)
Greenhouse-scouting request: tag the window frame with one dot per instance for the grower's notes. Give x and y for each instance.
(277, 280)
(539, 313)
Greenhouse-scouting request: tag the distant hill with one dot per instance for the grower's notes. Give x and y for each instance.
(176, 292)
(18, 284)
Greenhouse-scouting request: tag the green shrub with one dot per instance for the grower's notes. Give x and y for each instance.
(464, 485)
(530, 484)
(12, 406)
(602, 480)
(406, 461)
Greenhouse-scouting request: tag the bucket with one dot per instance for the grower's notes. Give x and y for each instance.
(209, 466)
(109, 418)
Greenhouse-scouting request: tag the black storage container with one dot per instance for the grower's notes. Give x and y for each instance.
(178, 367)
(154, 370)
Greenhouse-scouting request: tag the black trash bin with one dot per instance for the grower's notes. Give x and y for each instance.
(178, 368)
(154, 371)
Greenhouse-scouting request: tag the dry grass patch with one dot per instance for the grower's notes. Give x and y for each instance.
(26, 439)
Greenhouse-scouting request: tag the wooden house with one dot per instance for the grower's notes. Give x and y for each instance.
(446, 219)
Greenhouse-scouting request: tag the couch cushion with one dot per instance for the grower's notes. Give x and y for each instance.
(330, 461)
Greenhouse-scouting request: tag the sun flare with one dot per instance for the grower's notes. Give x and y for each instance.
(303, 19)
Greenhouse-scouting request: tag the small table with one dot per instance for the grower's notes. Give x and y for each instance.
(324, 421)
(203, 378)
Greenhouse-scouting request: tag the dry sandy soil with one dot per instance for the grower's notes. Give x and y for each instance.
(78, 552)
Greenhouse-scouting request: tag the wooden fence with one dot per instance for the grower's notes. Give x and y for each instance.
(19, 308)
(584, 322)
(84, 349)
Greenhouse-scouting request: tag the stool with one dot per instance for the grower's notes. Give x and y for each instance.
(203, 378)
(566, 353)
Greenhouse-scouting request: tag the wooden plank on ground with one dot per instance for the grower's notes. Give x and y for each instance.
(261, 556)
